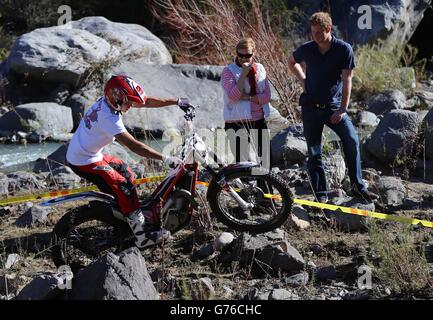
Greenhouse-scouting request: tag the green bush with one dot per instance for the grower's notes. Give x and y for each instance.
(381, 66)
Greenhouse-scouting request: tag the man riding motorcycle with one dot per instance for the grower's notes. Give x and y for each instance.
(101, 125)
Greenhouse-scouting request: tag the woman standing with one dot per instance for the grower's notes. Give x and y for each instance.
(246, 105)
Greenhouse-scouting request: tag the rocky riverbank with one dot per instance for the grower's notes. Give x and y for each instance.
(316, 255)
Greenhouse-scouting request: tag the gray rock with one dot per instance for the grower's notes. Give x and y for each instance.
(59, 94)
(111, 277)
(335, 168)
(131, 41)
(208, 72)
(81, 100)
(300, 217)
(57, 160)
(270, 250)
(280, 294)
(367, 119)
(118, 151)
(204, 252)
(386, 101)
(223, 240)
(52, 161)
(58, 54)
(393, 21)
(63, 177)
(11, 260)
(44, 119)
(64, 54)
(156, 81)
(35, 215)
(39, 288)
(394, 140)
(426, 98)
(351, 222)
(24, 181)
(204, 91)
(419, 191)
(297, 280)
(391, 190)
(289, 146)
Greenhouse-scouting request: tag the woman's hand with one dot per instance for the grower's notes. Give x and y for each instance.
(246, 67)
(254, 99)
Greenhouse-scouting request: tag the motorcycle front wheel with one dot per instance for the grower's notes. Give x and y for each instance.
(269, 194)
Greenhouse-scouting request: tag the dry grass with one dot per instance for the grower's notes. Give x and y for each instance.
(401, 266)
(207, 33)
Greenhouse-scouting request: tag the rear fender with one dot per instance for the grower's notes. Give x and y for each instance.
(80, 196)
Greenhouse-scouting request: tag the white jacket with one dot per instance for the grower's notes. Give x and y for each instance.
(241, 109)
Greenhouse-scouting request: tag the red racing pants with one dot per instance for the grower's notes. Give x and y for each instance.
(114, 177)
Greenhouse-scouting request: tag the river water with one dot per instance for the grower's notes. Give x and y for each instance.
(21, 157)
(17, 157)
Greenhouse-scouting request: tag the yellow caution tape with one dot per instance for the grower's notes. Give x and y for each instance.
(348, 210)
(365, 213)
(59, 193)
(319, 205)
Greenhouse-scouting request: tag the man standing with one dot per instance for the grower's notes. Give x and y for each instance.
(327, 86)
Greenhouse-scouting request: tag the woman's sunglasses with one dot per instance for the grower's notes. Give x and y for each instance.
(248, 55)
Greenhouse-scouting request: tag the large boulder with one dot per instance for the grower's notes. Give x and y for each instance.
(39, 288)
(57, 159)
(350, 222)
(66, 53)
(269, 251)
(393, 141)
(171, 81)
(201, 84)
(391, 190)
(58, 54)
(132, 41)
(393, 21)
(43, 119)
(386, 101)
(111, 277)
(289, 146)
(21, 180)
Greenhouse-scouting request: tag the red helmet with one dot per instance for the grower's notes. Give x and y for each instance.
(120, 89)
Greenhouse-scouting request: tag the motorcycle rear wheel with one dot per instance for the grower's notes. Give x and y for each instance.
(86, 233)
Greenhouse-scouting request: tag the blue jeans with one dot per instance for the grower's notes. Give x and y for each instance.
(314, 120)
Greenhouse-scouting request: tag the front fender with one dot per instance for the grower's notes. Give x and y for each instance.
(240, 167)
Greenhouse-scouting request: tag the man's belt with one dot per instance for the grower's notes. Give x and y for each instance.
(321, 105)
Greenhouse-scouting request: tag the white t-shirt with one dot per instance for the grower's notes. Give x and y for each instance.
(97, 129)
